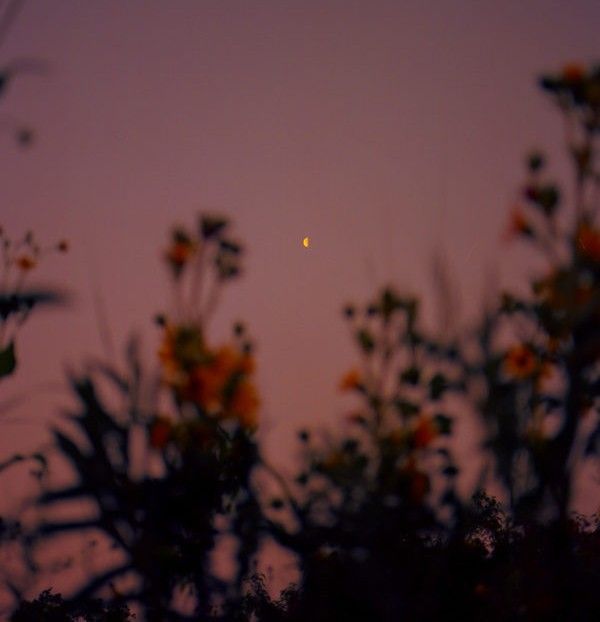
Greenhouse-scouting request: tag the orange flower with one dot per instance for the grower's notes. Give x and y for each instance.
(419, 486)
(518, 224)
(545, 371)
(247, 364)
(166, 352)
(520, 362)
(172, 370)
(215, 380)
(333, 460)
(206, 387)
(26, 262)
(417, 481)
(588, 241)
(245, 403)
(425, 432)
(226, 361)
(160, 432)
(350, 381)
(573, 72)
(179, 253)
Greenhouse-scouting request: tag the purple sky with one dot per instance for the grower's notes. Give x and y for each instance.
(387, 131)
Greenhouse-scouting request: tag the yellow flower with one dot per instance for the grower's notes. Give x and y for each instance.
(350, 381)
(520, 362)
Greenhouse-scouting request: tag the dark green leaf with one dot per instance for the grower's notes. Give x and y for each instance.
(211, 226)
(406, 408)
(8, 361)
(365, 340)
(443, 424)
(411, 375)
(437, 385)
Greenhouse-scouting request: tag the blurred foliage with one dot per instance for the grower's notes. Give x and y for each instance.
(18, 259)
(373, 516)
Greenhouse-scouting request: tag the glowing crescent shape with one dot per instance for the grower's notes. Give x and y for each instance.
(306, 242)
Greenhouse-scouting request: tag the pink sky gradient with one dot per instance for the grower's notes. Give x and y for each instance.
(387, 131)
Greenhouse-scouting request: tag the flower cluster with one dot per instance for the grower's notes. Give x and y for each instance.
(23, 255)
(395, 442)
(211, 238)
(216, 380)
(576, 86)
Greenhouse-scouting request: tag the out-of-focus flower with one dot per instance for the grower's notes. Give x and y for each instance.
(398, 437)
(226, 361)
(588, 241)
(545, 372)
(418, 484)
(160, 432)
(247, 364)
(518, 224)
(171, 357)
(550, 290)
(333, 460)
(425, 432)
(26, 262)
(419, 487)
(179, 253)
(520, 362)
(573, 72)
(205, 388)
(217, 381)
(350, 381)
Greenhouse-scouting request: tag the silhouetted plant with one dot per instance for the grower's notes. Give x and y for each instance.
(166, 515)
(540, 353)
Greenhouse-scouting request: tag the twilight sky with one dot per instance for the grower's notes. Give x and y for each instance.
(387, 131)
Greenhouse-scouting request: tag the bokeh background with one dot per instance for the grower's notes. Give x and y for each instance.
(391, 133)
